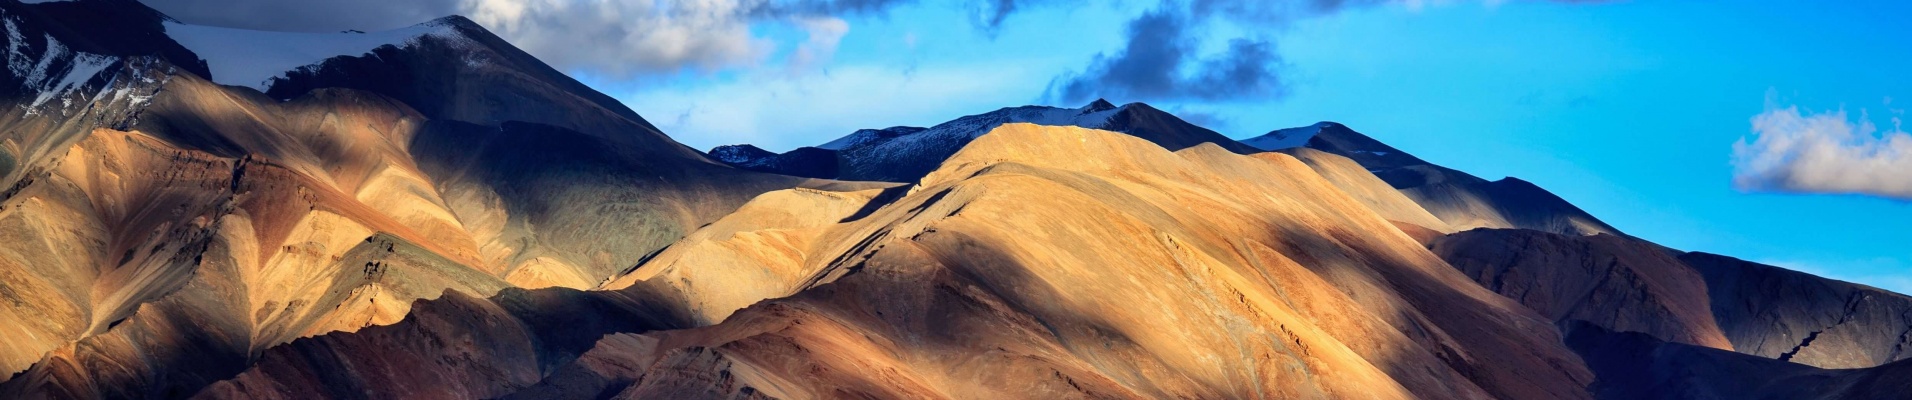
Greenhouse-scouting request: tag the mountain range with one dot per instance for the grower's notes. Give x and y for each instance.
(430, 212)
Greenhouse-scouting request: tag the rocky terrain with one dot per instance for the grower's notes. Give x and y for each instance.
(430, 212)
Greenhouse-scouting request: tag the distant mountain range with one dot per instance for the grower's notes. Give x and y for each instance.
(1460, 201)
(430, 212)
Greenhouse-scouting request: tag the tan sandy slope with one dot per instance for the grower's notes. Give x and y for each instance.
(1020, 269)
(1016, 270)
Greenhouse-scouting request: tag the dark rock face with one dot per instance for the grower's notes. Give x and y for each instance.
(739, 154)
(1638, 366)
(1457, 198)
(1789, 315)
(808, 162)
(1635, 366)
(1628, 285)
(1615, 283)
(478, 78)
(120, 28)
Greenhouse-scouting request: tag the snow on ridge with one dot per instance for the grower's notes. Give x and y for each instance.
(971, 127)
(865, 136)
(55, 72)
(241, 57)
(1285, 138)
(961, 130)
(948, 137)
(85, 67)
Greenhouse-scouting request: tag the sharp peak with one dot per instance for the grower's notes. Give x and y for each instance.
(455, 21)
(1098, 105)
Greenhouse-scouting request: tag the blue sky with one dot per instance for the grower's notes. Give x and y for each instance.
(1629, 110)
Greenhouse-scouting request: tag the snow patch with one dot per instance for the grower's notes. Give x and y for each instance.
(900, 140)
(1285, 138)
(249, 58)
(85, 67)
(56, 72)
(891, 146)
(866, 136)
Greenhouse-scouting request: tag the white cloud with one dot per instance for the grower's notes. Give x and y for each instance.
(623, 38)
(1823, 153)
(824, 34)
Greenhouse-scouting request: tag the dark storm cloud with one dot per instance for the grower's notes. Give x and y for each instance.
(1160, 62)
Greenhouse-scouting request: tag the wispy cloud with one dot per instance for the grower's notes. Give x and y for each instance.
(1823, 152)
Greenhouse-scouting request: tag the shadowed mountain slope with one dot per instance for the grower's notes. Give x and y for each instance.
(1460, 200)
(1013, 271)
(1628, 285)
(1638, 366)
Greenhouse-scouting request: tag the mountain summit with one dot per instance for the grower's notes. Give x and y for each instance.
(904, 154)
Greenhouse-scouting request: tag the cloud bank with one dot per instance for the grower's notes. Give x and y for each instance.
(1823, 153)
(613, 38)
